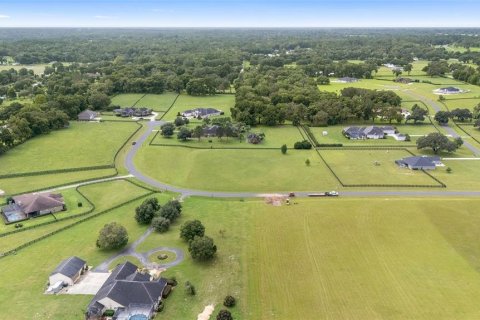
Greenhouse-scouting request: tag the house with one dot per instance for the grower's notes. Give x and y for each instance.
(127, 292)
(419, 163)
(32, 205)
(210, 131)
(356, 133)
(68, 272)
(389, 130)
(404, 80)
(132, 112)
(87, 115)
(347, 80)
(405, 113)
(448, 90)
(202, 112)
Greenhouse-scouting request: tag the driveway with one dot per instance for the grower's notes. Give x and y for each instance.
(89, 283)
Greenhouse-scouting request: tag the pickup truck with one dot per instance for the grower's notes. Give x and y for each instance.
(324, 194)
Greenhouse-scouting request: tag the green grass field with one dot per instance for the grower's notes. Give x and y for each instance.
(357, 259)
(38, 69)
(31, 183)
(81, 145)
(126, 100)
(235, 170)
(184, 102)
(275, 137)
(358, 167)
(157, 102)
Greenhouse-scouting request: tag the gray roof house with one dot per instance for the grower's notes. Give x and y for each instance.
(448, 90)
(347, 80)
(210, 131)
(419, 163)
(370, 132)
(202, 112)
(87, 115)
(128, 292)
(68, 271)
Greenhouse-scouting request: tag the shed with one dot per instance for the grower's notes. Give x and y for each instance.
(68, 271)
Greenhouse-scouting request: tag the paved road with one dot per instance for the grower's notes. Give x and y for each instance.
(185, 192)
(131, 250)
(437, 107)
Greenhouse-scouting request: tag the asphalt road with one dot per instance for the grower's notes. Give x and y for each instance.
(185, 192)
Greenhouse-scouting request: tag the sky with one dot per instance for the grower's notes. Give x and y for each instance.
(236, 13)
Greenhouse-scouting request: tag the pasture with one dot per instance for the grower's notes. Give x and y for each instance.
(38, 69)
(352, 258)
(80, 145)
(157, 102)
(374, 167)
(127, 100)
(184, 102)
(235, 170)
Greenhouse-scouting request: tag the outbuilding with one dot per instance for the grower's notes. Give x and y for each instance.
(68, 271)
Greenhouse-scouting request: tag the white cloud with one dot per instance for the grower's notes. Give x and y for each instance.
(2, 16)
(163, 10)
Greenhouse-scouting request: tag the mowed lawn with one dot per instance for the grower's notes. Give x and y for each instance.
(235, 170)
(80, 145)
(184, 102)
(364, 259)
(275, 137)
(356, 167)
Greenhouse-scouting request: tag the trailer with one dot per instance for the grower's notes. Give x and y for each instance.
(324, 194)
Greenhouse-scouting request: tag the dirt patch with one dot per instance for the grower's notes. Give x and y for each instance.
(275, 199)
(206, 313)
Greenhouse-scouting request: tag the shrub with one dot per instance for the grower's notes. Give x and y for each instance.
(229, 301)
(161, 224)
(79, 204)
(169, 211)
(302, 145)
(449, 170)
(190, 288)
(307, 162)
(284, 149)
(109, 313)
(224, 315)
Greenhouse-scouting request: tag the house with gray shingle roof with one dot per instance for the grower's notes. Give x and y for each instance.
(68, 271)
(127, 291)
(87, 115)
(419, 163)
(202, 113)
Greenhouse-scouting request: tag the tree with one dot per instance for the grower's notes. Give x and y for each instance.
(169, 211)
(161, 224)
(179, 121)
(202, 248)
(307, 162)
(184, 134)
(284, 149)
(99, 100)
(224, 315)
(146, 211)
(442, 117)
(229, 301)
(436, 68)
(408, 68)
(197, 132)
(418, 114)
(461, 114)
(437, 142)
(167, 129)
(323, 80)
(191, 229)
(112, 236)
(397, 72)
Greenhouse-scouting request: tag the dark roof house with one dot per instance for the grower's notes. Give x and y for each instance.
(87, 115)
(371, 132)
(68, 271)
(419, 162)
(201, 112)
(127, 289)
(448, 90)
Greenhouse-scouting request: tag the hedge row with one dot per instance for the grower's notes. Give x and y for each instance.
(29, 243)
(126, 141)
(45, 172)
(310, 135)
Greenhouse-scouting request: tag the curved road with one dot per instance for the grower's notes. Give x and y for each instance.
(185, 192)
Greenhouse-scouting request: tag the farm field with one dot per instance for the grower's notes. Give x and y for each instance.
(275, 137)
(80, 145)
(184, 102)
(235, 170)
(453, 103)
(357, 167)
